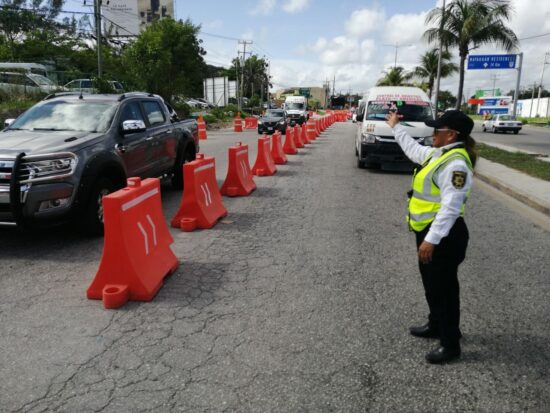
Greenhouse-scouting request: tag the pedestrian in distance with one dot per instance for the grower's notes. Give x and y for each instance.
(440, 189)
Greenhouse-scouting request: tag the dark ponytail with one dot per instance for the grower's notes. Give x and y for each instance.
(471, 149)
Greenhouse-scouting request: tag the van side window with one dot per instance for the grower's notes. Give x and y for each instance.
(154, 113)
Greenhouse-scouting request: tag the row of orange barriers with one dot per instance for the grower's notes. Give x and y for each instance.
(137, 255)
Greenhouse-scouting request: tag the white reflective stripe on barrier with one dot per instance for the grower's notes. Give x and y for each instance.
(241, 151)
(138, 200)
(243, 167)
(206, 192)
(154, 229)
(204, 167)
(145, 238)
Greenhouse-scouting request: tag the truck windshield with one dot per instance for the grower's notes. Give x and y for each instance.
(74, 116)
(294, 106)
(412, 112)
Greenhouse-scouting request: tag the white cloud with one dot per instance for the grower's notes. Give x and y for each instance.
(365, 21)
(405, 28)
(294, 6)
(264, 7)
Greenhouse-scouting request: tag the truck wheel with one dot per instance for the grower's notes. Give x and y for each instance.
(92, 223)
(177, 176)
(360, 164)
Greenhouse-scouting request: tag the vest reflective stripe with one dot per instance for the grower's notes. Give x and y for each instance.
(425, 201)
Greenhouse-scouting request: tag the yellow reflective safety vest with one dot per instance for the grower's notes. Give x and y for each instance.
(425, 200)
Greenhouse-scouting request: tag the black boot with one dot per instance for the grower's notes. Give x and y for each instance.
(443, 354)
(425, 331)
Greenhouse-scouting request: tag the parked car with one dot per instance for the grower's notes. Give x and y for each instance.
(501, 123)
(60, 157)
(272, 120)
(26, 83)
(87, 85)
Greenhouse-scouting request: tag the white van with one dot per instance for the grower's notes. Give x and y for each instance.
(26, 83)
(375, 144)
(296, 109)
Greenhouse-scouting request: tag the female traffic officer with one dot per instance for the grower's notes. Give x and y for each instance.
(441, 186)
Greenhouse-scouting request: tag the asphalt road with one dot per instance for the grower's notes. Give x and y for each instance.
(299, 301)
(530, 138)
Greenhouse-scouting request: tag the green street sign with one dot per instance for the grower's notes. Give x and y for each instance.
(304, 92)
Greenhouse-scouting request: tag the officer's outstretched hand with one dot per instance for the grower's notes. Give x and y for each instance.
(392, 118)
(425, 252)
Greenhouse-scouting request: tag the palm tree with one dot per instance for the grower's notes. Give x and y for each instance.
(469, 24)
(428, 67)
(396, 76)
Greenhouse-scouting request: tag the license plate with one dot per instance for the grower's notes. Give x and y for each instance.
(269, 128)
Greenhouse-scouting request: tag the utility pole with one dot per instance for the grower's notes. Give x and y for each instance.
(244, 43)
(516, 98)
(545, 62)
(97, 15)
(436, 102)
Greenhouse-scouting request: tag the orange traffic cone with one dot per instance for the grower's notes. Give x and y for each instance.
(238, 123)
(202, 127)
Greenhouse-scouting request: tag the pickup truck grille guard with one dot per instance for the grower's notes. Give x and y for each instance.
(15, 190)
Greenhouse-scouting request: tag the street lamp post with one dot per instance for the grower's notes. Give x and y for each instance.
(545, 62)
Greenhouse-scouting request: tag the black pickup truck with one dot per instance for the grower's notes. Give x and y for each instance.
(59, 158)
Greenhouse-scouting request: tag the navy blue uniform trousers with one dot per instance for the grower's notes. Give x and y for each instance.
(440, 279)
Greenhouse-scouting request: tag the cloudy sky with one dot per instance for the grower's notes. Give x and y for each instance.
(310, 41)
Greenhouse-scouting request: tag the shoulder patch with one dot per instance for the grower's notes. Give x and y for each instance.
(459, 179)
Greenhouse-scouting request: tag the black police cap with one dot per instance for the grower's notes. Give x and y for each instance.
(456, 120)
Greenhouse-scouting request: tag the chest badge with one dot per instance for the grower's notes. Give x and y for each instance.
(459, 179)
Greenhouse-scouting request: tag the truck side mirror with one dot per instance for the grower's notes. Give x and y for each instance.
(359, 117)
(8, 122)
(133, 126)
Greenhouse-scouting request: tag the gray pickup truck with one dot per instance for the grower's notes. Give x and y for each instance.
(59, 158)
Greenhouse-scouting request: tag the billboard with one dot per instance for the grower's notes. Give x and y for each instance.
(130, 17)
(495, 104)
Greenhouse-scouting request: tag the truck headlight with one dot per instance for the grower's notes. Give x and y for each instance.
(369, 138)
(47, 167)
(260, 122)
(281, 122)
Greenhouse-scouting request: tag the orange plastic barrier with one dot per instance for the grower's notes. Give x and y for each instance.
(311, 134)
(297, 138)
(264, 165)
(239, 181)
(201, 205)
(238, 123)
(277, 152)
(305, 140)
(318, 127)
(250, 122)
(289, 148)
(202, 127)
(136, 252)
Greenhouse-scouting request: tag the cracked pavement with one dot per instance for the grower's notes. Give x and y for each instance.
(299, 300)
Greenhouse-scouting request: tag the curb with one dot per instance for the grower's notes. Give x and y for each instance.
(535, 204)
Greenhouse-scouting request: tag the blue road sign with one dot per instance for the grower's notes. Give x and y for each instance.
(492, 61)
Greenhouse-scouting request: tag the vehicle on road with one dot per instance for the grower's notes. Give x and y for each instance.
(272, 120)
(26, 83)
(375, 145)
(60, 157)
(501, 123)
(296, 110)
(87, 85)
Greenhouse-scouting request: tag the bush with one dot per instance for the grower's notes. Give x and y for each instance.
(183, 109)
(524, 120)
(209, 118)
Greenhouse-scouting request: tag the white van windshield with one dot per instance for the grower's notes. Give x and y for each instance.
(294, 105)
(411, 112)
(41, 80)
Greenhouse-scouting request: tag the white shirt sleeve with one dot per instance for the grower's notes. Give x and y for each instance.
(452, 199)
(414, 151)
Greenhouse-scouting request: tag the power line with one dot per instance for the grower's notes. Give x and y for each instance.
(535, 37)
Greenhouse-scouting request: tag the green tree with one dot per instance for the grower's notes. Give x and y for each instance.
(446, 99)
(396, 76)
(255, 79)
(468, 24)
(428, 67)
(167, 58)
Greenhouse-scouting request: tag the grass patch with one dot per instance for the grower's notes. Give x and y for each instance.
(520, 161)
